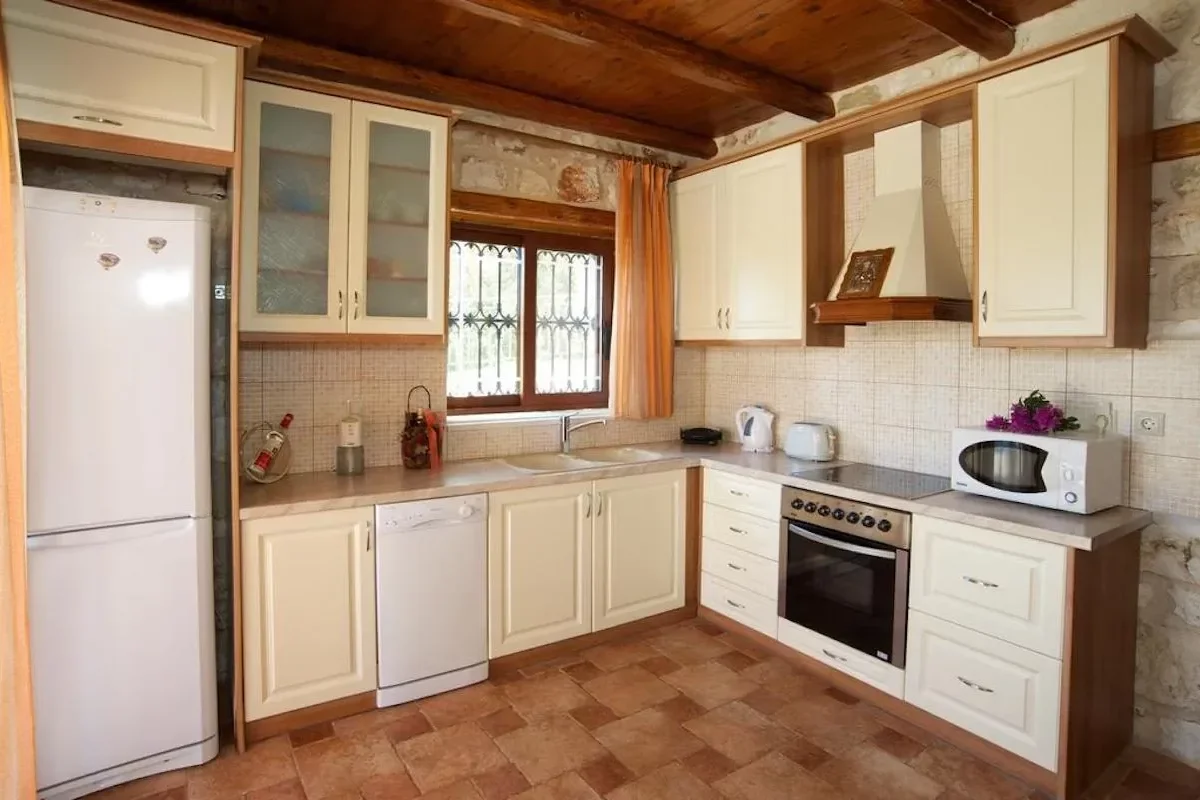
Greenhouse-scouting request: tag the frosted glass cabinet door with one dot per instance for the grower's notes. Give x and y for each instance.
(397, 222)
(296, 168)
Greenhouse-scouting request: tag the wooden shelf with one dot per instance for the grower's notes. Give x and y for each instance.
(891, 309)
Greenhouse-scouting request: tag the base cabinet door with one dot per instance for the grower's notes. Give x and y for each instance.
(308, 612)
(638, 547)
(539, 566)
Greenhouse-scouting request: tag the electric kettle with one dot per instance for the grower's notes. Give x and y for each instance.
(754, 429)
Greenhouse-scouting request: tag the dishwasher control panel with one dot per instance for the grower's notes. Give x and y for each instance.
(425, 513)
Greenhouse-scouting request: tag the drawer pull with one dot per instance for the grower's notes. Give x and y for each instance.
(98, 120)
(834, 656)
(735, 605)
(734, 566)
(738, 531)
(976, 686)
(736, 493)
(980, 582)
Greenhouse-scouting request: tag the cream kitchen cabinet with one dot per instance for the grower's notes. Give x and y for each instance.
(95, 73)
(344, 224)
(738, 245)
(308, 610)
(570, 559)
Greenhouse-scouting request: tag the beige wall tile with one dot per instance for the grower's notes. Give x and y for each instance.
(1168, 369)
(1165, 483)
(1030, 370)
(287, 363)
(289, 397)
(931, 452)
(856, 403)
(336, 362)
(894, 404)
(935, 408)
(250, 362)
(332, 400)
(1100, 371)
(983, 367)
(936, 362)
(895, 362)
(1181, 432)
(893, 447)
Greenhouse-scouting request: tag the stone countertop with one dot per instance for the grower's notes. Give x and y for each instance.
(324, 491)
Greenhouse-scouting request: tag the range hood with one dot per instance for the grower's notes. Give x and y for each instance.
(905, 263)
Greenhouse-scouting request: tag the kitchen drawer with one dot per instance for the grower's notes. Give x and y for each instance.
(1007, 586)
(1003, 693)
(869, 670)
(746, 495)
(758, 574)
(752, 534)
(746, 607)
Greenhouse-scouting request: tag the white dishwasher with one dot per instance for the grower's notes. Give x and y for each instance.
(431, 591)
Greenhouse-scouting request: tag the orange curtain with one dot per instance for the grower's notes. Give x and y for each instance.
(644, 304)
(17, 779)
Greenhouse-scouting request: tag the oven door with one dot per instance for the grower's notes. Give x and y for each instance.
(849, 589)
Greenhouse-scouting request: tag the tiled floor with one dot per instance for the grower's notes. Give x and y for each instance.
(682, 713)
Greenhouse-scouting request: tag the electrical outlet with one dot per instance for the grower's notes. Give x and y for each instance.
(1149, 423)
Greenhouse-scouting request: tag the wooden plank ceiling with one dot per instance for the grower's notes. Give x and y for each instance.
(667, 73)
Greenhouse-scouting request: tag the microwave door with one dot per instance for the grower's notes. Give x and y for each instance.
(1006, 466)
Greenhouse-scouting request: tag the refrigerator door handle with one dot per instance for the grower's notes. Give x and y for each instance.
(75, 539)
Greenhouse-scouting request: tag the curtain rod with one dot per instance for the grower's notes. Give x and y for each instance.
(570, 145)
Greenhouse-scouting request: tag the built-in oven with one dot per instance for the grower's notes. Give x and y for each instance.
(844, 571)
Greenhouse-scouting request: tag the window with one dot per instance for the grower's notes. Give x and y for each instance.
(530, 318)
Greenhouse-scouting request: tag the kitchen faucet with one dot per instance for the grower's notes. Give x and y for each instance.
(567, 429)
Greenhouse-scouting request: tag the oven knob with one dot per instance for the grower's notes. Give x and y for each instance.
(884, 525)
(797, 504)
(1071, 497)
(838, 513)
(810, 507)
(823, 511)
(868, 521)
(852, 518)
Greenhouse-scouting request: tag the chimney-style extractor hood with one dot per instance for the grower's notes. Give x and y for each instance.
(905, 263)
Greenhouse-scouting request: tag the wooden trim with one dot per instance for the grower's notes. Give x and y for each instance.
(1099, 649)
(982, 749)
(945, 102)
(586, 26)
(738, 342)
(1044, 341)
(886, 309)
(824, 237)
(551, 141)
(267, 727)
(962, 23)
(350, 92)
(506, 665)
(1177, 141)
(168, 21)
(694, 531)
(492, 210)
(235, 462)
(975, 218)
(328, 64)
(389, 339)
(62, 136)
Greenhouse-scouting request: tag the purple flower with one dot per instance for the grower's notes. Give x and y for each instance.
(997, 423)
(1047, 418)
(1021, 421)
(1033, 414)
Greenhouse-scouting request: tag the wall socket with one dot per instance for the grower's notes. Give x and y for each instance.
(1149, 423)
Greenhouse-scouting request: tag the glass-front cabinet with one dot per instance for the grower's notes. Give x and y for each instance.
(344, 216)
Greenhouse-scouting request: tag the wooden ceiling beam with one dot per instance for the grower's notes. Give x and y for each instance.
(326, 63)
(963, 22)
(580, 25)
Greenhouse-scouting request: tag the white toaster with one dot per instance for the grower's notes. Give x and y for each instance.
(810, 441)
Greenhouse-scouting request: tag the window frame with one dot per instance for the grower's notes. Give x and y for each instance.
(531, 241)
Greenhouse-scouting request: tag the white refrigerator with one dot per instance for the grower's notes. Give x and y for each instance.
(120, 519)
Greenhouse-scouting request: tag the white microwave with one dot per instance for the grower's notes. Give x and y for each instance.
(1072, 471)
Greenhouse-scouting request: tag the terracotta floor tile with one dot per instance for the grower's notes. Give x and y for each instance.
(582, 673)
(647, 740)
(804, 753)
(459, 791)
(869, 773)
(463, 705)
(500, 784)
(313, 733)
(629, 690)
(777, 676)
(593, 715)
(549, 747)
(179, 793)
(615, 655)
(501, 722)
(845, 698)
(776, 778)
(565, 787)
(680, 709)
(548, 693)
(396, 786)
(704, 626)
(550, 665)
(373, 720)
(739, 732)
(736, 661)
(914, 732)
(671, 782)
(1140, 785)
(450, 755)
(336, 766)
(689, 646)
(897, 744)
(744, 645)
(764, 701)
(288, 790)
(827, 723)
(232, 773)
(606, 774)
(506, 677)
(710, 684)
(154, 784)
(406, 728)
(660, 665)
(708, 765)
(967, 775)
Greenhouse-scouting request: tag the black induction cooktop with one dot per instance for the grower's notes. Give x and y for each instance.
(879, 480)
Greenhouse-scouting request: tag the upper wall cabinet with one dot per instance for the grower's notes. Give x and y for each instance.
(738, 245)
(344, 224)
(1064, 158)
(91, 72)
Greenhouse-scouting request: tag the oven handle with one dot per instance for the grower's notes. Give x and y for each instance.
(890, 555)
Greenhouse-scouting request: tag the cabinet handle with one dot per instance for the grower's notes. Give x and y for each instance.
(98, 120)
(727, 325)
(835, 656)
(734, 566)
(980, 582)
(983, 305)
(735, 605)
(339, 303)
(976, 686)
(599, 503)
(356, 303)
(738, 531)
(718, 319)
(588, 513)
(368, 537)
